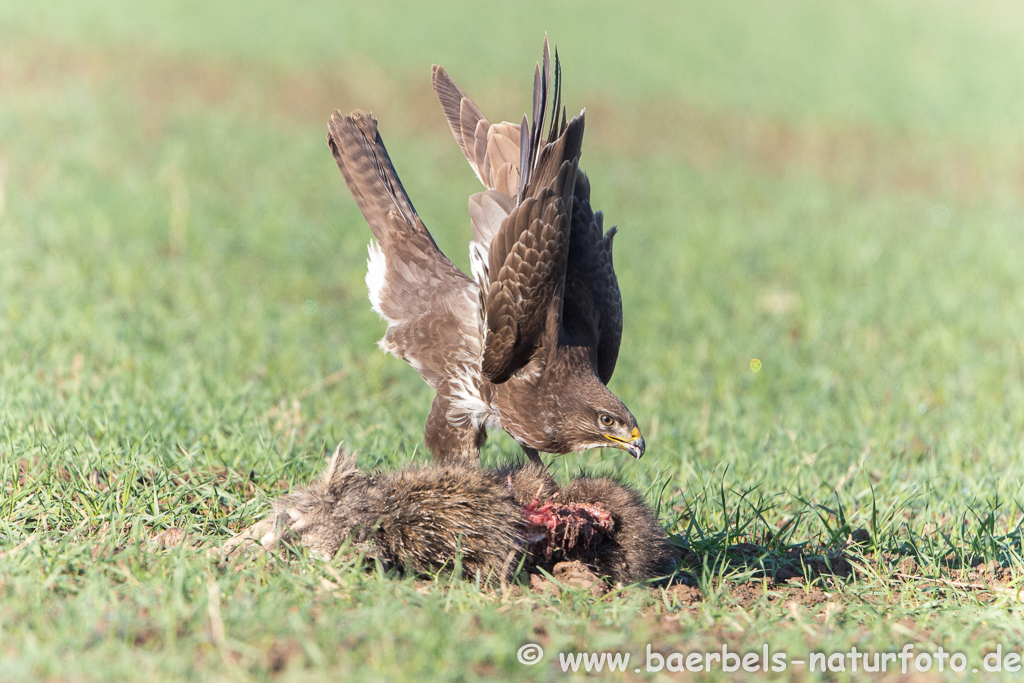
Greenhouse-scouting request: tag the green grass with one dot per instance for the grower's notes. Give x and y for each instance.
(834, 190)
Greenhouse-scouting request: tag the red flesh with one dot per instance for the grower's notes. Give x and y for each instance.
(552, 525)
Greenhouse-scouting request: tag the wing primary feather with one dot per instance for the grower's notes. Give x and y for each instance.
(538, 111)
(546, 56)
(524, 158)
(556, 102)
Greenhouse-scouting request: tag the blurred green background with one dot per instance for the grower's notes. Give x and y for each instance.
(833, 189)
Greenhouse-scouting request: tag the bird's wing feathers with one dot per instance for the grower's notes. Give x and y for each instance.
(430, 305)
(487, 211)
(522, 302)
(593, 305)
(492, 149)
(522, 255)
(503, 157)
(364, 161)
(592, 310)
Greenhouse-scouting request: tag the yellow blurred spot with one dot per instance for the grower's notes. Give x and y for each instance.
(755, 365)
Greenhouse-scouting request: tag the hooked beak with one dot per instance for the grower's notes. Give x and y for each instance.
(636, 447)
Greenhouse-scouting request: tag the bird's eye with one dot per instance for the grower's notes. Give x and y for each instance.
(607, 420)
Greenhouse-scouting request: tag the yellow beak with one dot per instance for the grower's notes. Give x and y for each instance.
(636, 447)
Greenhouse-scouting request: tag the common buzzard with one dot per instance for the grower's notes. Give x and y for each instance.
(529, 342)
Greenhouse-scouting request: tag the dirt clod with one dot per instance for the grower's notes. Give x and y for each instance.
(170, 537)
(575, 574)
(684, 595)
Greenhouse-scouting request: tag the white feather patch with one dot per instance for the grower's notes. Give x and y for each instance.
(376, 274)
(467, 404)
(478, 255)
(478, 259)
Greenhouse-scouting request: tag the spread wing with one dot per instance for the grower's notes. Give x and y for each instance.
(591, 313)
(429, 304)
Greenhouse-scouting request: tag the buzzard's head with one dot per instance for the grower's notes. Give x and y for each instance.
(601, 420)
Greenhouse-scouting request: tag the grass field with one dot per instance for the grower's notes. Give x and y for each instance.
(836, 190)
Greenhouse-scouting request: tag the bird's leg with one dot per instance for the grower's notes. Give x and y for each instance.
(533, 455)
(452, 443)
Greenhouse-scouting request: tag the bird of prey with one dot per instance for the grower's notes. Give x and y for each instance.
(530, 341)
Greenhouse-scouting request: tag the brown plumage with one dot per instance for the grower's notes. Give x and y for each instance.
(421, 519)
(530, 341)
